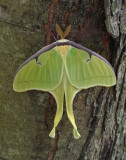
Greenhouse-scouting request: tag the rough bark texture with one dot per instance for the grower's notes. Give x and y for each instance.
(27, 118)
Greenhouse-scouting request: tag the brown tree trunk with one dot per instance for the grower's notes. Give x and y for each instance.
(27, 118)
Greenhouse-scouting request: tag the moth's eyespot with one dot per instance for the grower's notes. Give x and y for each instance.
(39, 64)
(88, 60)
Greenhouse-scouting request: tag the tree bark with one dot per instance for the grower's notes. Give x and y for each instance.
(27, 118)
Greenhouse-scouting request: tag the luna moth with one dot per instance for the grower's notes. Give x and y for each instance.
(64, 68)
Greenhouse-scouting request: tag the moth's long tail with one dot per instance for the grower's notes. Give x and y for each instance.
(58, 93)
(70, 92)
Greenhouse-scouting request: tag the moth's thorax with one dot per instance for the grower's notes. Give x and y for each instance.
(63, 50)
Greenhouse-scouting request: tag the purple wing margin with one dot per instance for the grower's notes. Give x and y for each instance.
(57, 43)
(88, 51)
(36, 55)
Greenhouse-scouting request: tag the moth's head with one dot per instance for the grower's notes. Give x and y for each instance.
(63, 40)
(61, 33)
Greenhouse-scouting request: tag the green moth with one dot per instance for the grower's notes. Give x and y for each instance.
(64, 68)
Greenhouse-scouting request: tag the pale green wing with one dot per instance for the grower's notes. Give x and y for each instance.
(43, 73)
(85, 71)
